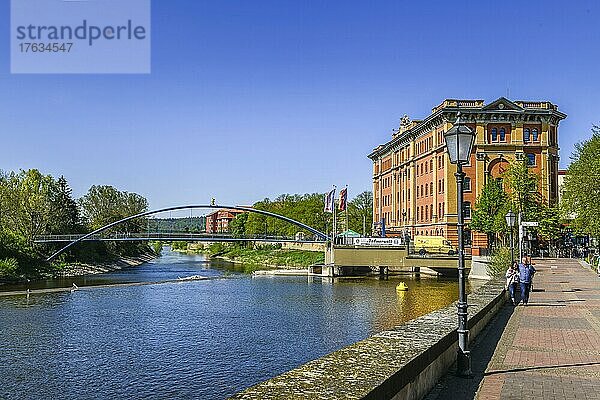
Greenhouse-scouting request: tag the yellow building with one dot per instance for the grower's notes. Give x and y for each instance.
(414, 188)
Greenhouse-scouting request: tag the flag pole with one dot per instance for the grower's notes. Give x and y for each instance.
(334, 216)
(346, 209)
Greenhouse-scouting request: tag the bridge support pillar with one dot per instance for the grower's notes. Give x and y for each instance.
(328, 270)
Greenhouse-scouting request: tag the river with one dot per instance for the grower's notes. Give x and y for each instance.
(191, 340)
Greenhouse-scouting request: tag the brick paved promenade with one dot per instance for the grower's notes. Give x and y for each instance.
(549, 349)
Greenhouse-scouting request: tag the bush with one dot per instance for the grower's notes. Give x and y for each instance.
(9, 268)
(179, 245)
(499, 263)
(216, 249)
(157, 247)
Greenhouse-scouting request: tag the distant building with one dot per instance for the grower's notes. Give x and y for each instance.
(218, 221)
(414, 189)
(561, 182)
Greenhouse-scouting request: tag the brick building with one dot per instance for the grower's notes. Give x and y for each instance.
(414, 188)
(218, 221)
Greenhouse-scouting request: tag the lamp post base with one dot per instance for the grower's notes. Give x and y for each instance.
(463, 364)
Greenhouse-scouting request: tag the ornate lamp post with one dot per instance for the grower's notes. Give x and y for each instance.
(511, 219)
(459, 143)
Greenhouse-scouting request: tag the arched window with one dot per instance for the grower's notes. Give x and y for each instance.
(467, 209)
(426, 190)
(534, 133)
(526, 135)
(426, 213)
(531, 159)
(441, 232)
(494, 135)
(431, 212)
(502, 135)
(431, 188)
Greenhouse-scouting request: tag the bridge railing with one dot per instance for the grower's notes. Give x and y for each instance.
(171, 236)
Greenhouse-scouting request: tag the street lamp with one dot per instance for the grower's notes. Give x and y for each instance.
(511, 219)
(459, 143)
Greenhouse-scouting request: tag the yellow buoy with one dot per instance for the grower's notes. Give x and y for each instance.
(401, 287)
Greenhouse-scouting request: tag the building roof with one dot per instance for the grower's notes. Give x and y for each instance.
(472, 111)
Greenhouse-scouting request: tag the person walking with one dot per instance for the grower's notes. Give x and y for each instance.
(512, 278)
(526, 272)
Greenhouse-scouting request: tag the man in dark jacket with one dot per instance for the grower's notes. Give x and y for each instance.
(526, 272)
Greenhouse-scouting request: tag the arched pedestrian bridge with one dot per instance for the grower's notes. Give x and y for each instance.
(95, 235)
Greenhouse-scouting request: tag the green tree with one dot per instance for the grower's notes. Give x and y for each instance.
(581, 190)
(65, 213)
(28, 203)
(490, 208)
(237, 227)
(360, 209)
(523, 189)
(105, 204)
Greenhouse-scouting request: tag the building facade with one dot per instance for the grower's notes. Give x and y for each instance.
(218, 221)
(414, 187)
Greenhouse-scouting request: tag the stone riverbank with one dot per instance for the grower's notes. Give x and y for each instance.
(402, 363)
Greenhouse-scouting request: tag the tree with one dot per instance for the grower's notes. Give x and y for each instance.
(523, 186)
(581, 191)
(65, 213)
(237, 227)
(490, 208)
(105, 204)
(360, 209)
(28, 203)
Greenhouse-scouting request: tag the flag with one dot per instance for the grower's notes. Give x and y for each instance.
(343, 199)
(330, 201)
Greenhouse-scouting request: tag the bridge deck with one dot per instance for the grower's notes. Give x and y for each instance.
(166, 236)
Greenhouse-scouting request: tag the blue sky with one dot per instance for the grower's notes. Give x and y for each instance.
(251, 99)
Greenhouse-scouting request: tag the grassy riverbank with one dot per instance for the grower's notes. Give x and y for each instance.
(269, 255)
(274, 258)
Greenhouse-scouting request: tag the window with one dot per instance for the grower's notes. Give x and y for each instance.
(426, 165)
(526, 135)
(467, 209)
(467, 184)
(426, 190)
(502, 135)
(431, 211)
(494, 135)
(534, 133)
(431, 189)
(426, 213)
(531, 159)
(431, 165)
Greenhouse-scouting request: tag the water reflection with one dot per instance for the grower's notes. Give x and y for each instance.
(198, 339)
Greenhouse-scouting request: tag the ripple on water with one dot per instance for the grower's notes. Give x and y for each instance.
(199, 339)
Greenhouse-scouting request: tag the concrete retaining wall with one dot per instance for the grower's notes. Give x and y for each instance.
(479, 267)
(402, 363)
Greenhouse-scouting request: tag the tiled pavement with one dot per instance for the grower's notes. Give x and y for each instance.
(549, 349)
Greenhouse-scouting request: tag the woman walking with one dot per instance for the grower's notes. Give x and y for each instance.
(512, 278)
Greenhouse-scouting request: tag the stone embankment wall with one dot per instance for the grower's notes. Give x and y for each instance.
(402, 363)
